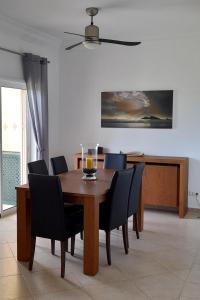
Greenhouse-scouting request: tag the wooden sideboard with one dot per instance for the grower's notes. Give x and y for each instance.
(165, 180)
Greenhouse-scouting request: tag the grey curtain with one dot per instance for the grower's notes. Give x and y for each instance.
(35, 75)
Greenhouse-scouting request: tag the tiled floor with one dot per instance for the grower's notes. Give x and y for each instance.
(163, 265)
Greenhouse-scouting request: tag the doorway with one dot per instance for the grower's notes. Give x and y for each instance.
(13, 142)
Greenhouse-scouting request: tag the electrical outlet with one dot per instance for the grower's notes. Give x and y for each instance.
(193, 194)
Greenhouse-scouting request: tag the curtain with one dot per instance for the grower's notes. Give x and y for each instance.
(35, 75)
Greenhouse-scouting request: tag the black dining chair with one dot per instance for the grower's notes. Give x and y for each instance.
(134, 196)
(38, 167)
(115, 161)
(113, 212)
(59, 165)
(49, 219)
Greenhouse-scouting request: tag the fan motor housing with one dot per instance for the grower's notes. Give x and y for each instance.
(92, 32)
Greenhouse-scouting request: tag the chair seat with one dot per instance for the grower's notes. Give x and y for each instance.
(73, 221)
(70, 207)
(104, 215)
(104, 221)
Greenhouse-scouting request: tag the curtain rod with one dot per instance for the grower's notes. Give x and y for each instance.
(14, 52)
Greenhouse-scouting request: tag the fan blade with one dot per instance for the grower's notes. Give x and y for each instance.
(119, 42)
(73, 46)
(74, 33)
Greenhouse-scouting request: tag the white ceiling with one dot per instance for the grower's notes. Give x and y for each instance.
(119, 19)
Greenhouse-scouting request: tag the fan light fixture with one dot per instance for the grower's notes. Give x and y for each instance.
(91, 36)
(91, 44)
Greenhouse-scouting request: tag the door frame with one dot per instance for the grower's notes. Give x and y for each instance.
(15, 84)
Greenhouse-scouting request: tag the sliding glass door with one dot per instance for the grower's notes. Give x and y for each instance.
(13, 154)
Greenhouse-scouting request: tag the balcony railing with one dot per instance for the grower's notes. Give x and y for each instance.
(11, 176)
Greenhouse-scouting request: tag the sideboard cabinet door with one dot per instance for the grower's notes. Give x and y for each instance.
(160, 185)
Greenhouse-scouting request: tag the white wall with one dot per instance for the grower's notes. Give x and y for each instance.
(156, 64)
(23, 39)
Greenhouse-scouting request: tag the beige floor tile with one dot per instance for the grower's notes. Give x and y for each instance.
(5, 251)
(45, 261)
(9, 266)
(65, 295)
(186, 298)
(191, 290)
(44, 243)
(40, 283)
(116, 290)
(165, 287)
(13, 247)
(106, 274)
(11, 217)
(8, 236)
(182, 274)
(24, 298)
(175, 259)
(50, 263)
(136, 265)
(13, 287)
(197, 258)
(74, 276)
(194, 275)
(7, 226)
(147, 242)
(113, 273)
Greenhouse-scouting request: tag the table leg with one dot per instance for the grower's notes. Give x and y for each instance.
(23, 226)
(91, 236)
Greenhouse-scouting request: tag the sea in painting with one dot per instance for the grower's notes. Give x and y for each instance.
(137, 109)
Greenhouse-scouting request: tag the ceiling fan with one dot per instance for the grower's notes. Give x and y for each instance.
(91, 37)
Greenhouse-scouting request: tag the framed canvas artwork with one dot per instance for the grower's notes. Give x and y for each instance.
(137, 109)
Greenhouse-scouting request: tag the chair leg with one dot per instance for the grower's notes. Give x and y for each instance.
(33, 241)
(108, 247)
(53, 247)
(125, 237)
(127, 234)
(136, 225)
(72, 245)
(81, 235)
(62, 248)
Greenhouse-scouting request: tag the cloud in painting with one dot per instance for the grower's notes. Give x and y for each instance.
(124, 103)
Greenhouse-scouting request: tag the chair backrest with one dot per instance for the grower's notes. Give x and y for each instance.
(38, 167)
(47, 206)
(59, 165)
(115, 161)
(134, 195)
(118, 197)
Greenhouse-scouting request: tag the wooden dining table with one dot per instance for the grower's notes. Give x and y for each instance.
(75, 190)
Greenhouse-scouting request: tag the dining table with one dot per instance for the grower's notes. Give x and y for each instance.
(89, 193)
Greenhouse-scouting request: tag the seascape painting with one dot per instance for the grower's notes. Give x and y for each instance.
(137, 109)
